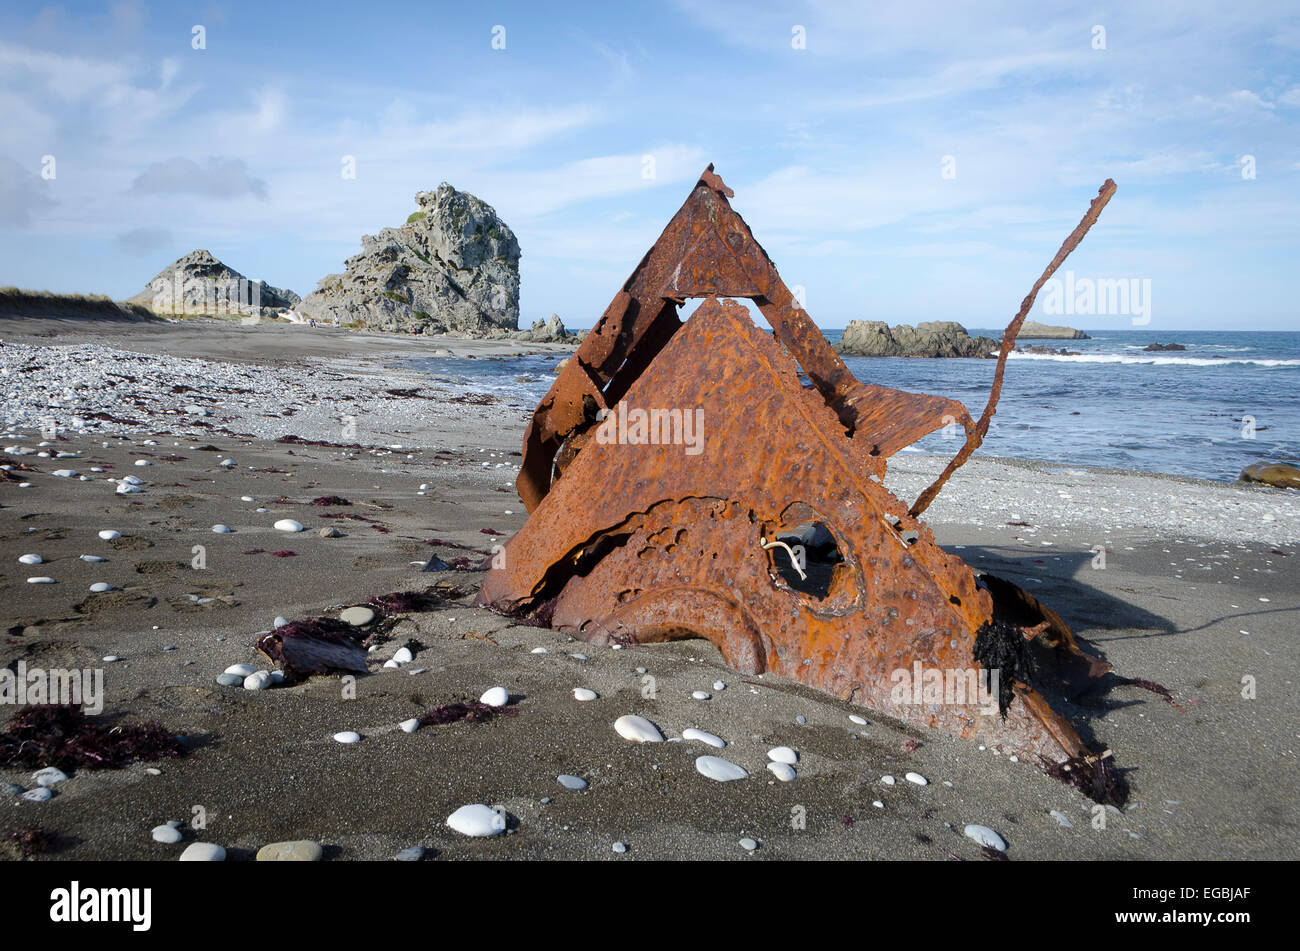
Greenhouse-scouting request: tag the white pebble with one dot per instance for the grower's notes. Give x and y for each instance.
(783, 754)
(720, 769)
(288, 525)
(167, 835)
(240, 670)
(260, 680)
(95, 559)
(222, 529)
(917, 778)
(887, 780)
(719, 685)
(495, 697)
(347, 736)
(477, 820)
(143, 462)
(101, 586)
(409, 726)
(109, 534)
(782, 771)
(40, 794)
(203, 852)
(700, 695)
(582, 693)
(539, 650)
(30, 559)
(637, 729)
(49, 776)
(857, 719)
(709, 738)
(986, 837)
(40, 579)
(403, 655)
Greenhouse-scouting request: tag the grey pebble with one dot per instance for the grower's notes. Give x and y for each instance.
(546, 800)
(11, 789)
(575, 783)
(801, 719)
(413, 854)
(230, 680)
(620, 847)
(748, 844)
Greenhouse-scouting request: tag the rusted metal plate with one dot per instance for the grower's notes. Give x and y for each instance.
(667, 518)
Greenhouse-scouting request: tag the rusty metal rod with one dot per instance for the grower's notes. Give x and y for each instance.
(976, 436)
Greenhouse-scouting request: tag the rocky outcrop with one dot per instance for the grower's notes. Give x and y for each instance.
(452, 268)
(200, 284)
(1156, 347)
(1033, 330)
(550, 330)
(1282, 475)
(934, 338)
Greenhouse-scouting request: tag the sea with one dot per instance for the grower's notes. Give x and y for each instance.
(1232, 398)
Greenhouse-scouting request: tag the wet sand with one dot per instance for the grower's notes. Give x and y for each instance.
(1193, 598)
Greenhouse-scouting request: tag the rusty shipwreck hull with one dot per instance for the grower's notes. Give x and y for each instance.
(641, 534)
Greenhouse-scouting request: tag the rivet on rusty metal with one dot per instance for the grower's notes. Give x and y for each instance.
(633, 540)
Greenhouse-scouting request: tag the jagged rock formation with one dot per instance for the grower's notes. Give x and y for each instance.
(453, 267)
(934, 338)
(200, 284)
(1033, 330)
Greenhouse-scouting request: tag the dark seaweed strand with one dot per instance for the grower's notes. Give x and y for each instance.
(1001, 647)
(62, 736)
(1095, 776)
(475, 712)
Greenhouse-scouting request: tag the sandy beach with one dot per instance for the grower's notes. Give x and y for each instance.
(1200, 588)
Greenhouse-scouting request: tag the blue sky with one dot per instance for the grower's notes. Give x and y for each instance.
(836, 151)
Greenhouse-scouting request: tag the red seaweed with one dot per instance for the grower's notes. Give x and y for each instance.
(62, 736)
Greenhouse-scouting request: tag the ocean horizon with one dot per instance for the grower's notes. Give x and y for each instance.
(1232, 398)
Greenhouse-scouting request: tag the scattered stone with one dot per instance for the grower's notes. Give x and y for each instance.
(41, 579)
(888, 780)
(720, 769)
(495, 697)
(985, 837)
(477, 820)
(618, 847)
(329, 531)
(229, 680)
(167, 835)
(288, 525)
(260, 680)
(222, 529)
(30, 559)
(801, 719)
(41, 794)
(748, 844)
(347, 736)
(93, 559)
(413, 854)
(49, 776)
(358, 616)
(243, 670)
(109, 534)
(637, 729)
(917, 778)
(857, 719)
(719, 685)
(410, 726)
(1061, 818)
(583, 694)
(709, 738)
(782, 771)
(301, 850)
(403, 655)
(576, 783)
(101, 586)
(783, 754)
(700, 695)
(203, 852)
